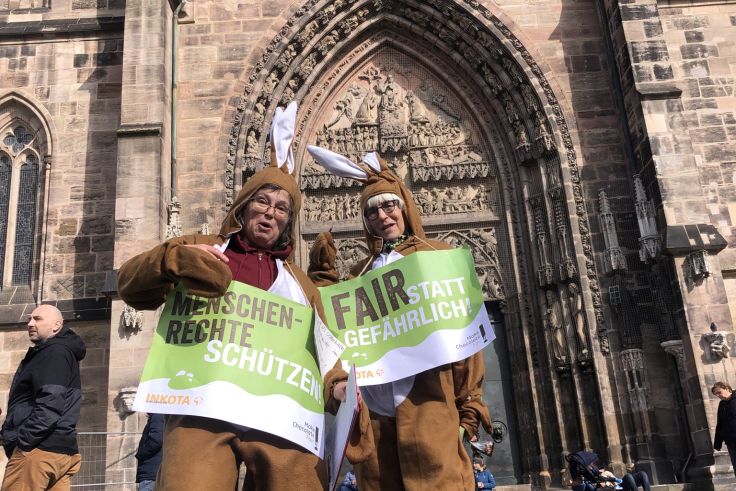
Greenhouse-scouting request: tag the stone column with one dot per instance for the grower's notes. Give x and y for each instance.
(143, 190)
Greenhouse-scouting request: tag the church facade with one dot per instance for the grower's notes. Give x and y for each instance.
(585, 151)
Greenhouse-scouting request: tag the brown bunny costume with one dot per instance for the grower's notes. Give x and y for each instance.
(417, 443)
(203, 453)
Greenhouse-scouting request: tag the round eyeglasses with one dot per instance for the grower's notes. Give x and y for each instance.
(387, 207)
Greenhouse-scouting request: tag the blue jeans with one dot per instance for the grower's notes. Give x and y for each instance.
(146, 485)
(631, 481)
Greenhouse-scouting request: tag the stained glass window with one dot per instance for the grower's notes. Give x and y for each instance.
(18, 139)
(26, 222)
(5, 171)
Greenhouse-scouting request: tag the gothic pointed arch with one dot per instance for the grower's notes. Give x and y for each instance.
(318, 34)
(466, 116)
(26, 143)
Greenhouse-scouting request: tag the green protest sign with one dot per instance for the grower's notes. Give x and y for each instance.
(247, 357)
(411, 315)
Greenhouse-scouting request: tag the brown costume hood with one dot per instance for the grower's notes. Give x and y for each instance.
(269, 175)
(386, 181)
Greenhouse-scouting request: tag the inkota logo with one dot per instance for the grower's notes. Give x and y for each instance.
(368, 373)
(171, 399)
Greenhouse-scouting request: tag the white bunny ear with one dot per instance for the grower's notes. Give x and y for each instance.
(372, 160)
(282, 134)
(336, 163)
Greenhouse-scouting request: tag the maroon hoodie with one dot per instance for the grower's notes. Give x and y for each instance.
(251, 266)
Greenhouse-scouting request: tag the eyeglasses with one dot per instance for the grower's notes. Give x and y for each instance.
(262, 205)
(387, 207)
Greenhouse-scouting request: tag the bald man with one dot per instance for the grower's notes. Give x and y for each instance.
(40, 430)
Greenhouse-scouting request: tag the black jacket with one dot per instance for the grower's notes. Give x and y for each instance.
(45, 397)
(726, 423)
(149, 452)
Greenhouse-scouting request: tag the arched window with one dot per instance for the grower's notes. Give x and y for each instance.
(20, 158)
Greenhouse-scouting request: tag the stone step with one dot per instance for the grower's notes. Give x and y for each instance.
(659, 487)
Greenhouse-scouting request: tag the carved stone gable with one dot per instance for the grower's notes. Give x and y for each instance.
(398, 107)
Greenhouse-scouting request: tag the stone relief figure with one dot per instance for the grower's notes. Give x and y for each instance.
(542, 135)
(530, 99)
(522, 139)
(416, 111)
(493, 81)
(321, 137)
(510, 108)
(252, 144)
(349, 252)
(389, 96)
(259, 111)
(270, 84)
(491, 243)
(283, 63)
(368, 111)
(578, 318)
(555, 326)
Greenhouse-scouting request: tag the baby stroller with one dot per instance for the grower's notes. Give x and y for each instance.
(583, 470)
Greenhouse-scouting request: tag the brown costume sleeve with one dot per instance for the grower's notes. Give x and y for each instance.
(322, 258)
(468, 377)
(145, 280)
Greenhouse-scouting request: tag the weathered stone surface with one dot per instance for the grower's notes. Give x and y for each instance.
(88, 80)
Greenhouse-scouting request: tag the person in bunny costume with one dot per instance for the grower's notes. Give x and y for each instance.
(419, 422)
(254, 246)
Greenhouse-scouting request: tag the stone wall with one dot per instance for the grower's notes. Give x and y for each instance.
(64, 62)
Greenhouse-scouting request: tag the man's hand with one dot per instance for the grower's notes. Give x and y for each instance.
(480, 485)
(210, 249)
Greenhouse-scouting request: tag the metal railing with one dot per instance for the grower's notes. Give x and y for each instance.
(104, 468)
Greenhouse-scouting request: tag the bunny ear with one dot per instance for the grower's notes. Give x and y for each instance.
(282, 134)
(336, 163)
(372, 160)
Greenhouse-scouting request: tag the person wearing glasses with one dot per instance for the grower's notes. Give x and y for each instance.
(418, 422)
(254, 246)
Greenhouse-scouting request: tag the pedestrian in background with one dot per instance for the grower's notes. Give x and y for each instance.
(149, 452)
(726, 420)
(40, 430)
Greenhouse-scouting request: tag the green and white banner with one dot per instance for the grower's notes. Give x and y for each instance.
(247, 357)
(414, 314)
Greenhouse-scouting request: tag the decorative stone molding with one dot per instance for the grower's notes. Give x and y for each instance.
(131, 319)
(699, 266)
(484, 246)
(545, 271)
(613, 256)
(123, 402)
(675, 349)
(173, 227)
(717, 346)
(632, 361)
(650, 241)
(567, 267)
